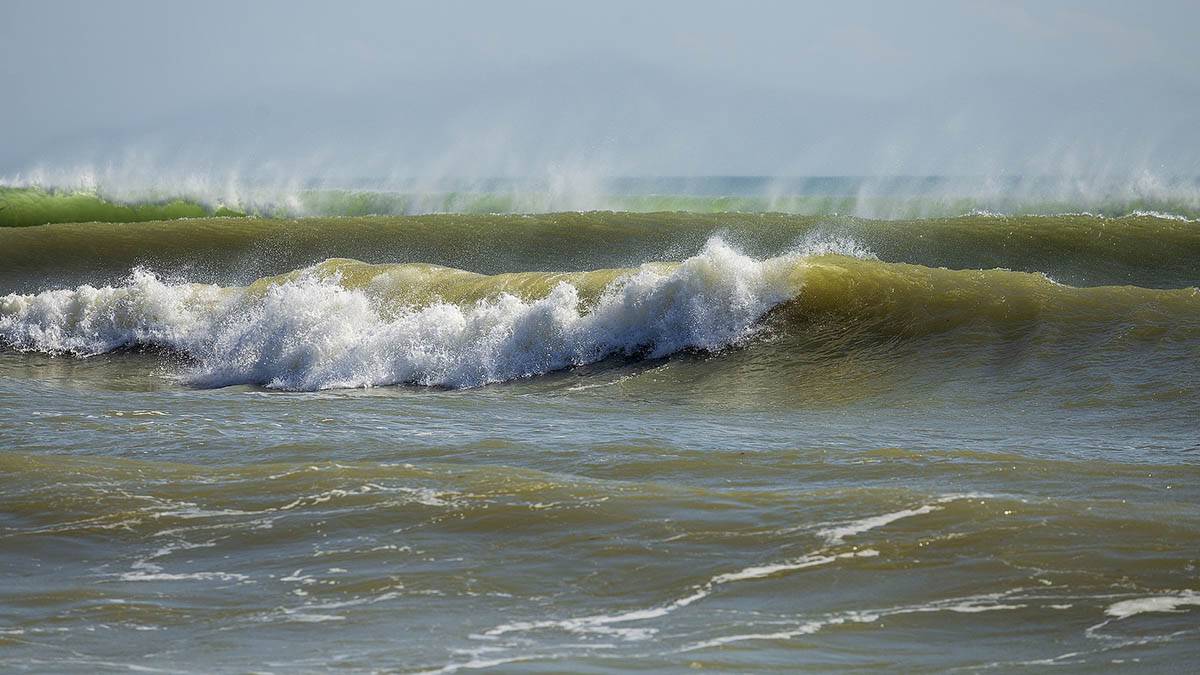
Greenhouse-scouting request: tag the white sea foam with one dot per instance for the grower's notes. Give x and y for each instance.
(478, 663)
(966, 605)
(145, 570)
(602, 623)
(88, 320)
(838, 533)
(800, 563)
(1155, 603)
(1164, 215)
(190, 576)
(311, 333)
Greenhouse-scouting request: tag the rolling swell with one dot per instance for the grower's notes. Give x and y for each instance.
(1080, 250)
(345, 323)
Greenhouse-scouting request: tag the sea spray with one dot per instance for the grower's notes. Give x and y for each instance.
(122, 194)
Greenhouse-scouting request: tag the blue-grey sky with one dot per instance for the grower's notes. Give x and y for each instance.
(683, 88)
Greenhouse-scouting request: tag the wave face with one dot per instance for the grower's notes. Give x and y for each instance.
(86, 198)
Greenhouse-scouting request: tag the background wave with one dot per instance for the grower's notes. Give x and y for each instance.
(1079, 250)
(86, 198)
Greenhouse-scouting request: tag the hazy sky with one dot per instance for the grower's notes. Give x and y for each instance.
(501, 88)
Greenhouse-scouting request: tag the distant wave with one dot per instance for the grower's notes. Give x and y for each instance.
(36, 200)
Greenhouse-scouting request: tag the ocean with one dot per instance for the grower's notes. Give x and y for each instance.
(738, 424)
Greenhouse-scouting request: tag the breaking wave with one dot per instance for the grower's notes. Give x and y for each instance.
(345, 323)
(311, 332)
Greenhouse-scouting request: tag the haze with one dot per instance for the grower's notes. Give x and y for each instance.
(385, 89)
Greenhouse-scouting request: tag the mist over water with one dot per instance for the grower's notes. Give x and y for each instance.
(123, 196)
